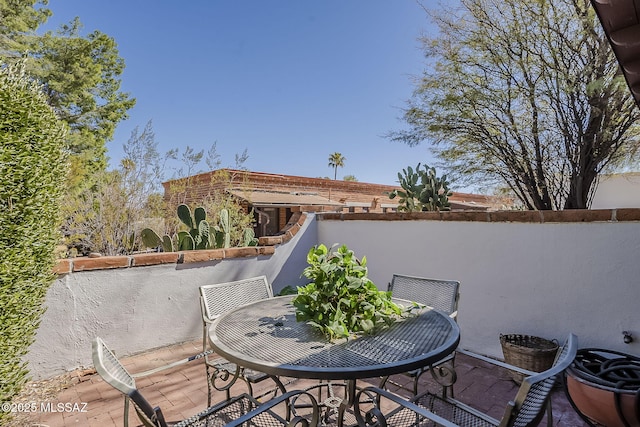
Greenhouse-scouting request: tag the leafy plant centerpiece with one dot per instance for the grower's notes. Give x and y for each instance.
(342, 300)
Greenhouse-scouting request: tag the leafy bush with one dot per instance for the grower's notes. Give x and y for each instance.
(33, 169)
(102, 219)
(107, 216)
(342, 300)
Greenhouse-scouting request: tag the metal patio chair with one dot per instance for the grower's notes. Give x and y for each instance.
(235, 411)
(375, 405)
(216, 300)
(442, 295)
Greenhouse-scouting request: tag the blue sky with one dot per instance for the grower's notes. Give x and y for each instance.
(291, 81)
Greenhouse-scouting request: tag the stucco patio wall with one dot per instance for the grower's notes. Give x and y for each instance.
(543, 274)
(147, 301)
(536, 273)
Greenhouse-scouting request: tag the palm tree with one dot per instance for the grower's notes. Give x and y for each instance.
(336, 160)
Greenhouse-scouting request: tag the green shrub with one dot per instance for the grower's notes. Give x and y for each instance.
(32, 173)
(342, 300)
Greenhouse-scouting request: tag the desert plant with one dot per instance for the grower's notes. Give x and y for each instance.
(151, 239)
(33, 168)
(422, 190)
(342, 300)
(249, 237)
(104, 217)
(200, 234)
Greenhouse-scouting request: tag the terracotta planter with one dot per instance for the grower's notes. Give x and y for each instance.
(604, 387)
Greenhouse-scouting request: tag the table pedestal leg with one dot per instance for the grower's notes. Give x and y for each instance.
(349, 398)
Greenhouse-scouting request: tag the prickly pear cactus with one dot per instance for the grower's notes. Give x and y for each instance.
(249, 237)
(200, 234)
(150, 238)
(422, 190)
(225, 227)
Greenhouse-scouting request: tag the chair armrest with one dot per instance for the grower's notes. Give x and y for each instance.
(496, 362)
(264, 407)
(401, 403)
(172, 364)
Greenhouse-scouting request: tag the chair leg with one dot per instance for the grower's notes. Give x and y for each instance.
(208, 385)
(249, 387)
(279, 386)
(383, 382)
(126, 411)
(445, 376)
(227, 379)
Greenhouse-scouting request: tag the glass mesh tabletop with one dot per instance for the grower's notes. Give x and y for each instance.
(265, 336)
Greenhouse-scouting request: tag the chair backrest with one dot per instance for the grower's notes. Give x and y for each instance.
(219, 298)
(112, 371)
(533, 394)
(442, 295)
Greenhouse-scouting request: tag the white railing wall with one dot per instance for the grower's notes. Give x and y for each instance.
(141, 308)
(542, 279)
(538, 278)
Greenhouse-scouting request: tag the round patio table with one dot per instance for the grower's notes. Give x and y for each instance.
(265, 336)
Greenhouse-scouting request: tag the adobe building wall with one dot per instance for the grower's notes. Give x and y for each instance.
(364, 197)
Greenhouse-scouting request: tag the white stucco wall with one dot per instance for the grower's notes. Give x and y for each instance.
(617, 191)
(141, 308)
(543, 279)
(538, 279)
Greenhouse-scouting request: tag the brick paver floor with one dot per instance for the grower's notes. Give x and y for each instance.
(182, 391)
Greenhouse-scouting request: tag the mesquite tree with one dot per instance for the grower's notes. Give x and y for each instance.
(527, 94)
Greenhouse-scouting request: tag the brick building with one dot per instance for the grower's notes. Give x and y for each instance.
(274, 197)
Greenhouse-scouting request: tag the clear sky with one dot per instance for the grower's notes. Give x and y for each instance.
(292, 81)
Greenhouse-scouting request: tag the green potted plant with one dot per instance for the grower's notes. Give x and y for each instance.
(341, 300)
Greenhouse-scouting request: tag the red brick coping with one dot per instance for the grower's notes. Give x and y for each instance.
(267, 244)
(566, 216)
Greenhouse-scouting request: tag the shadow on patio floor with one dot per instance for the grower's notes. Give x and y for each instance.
(182, 392)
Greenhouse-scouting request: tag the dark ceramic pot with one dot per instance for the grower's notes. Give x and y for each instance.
(604, 387)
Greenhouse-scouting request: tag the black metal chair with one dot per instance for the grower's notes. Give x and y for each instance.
(442, 295)
(215, 300)
(235, 411)
(375, 406)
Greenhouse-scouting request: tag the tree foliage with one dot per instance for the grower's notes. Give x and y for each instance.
(80, 75)
(33, 169)
(108, 217)
(526, 94)
(17, 18)
(336, 160)
(82, 79)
